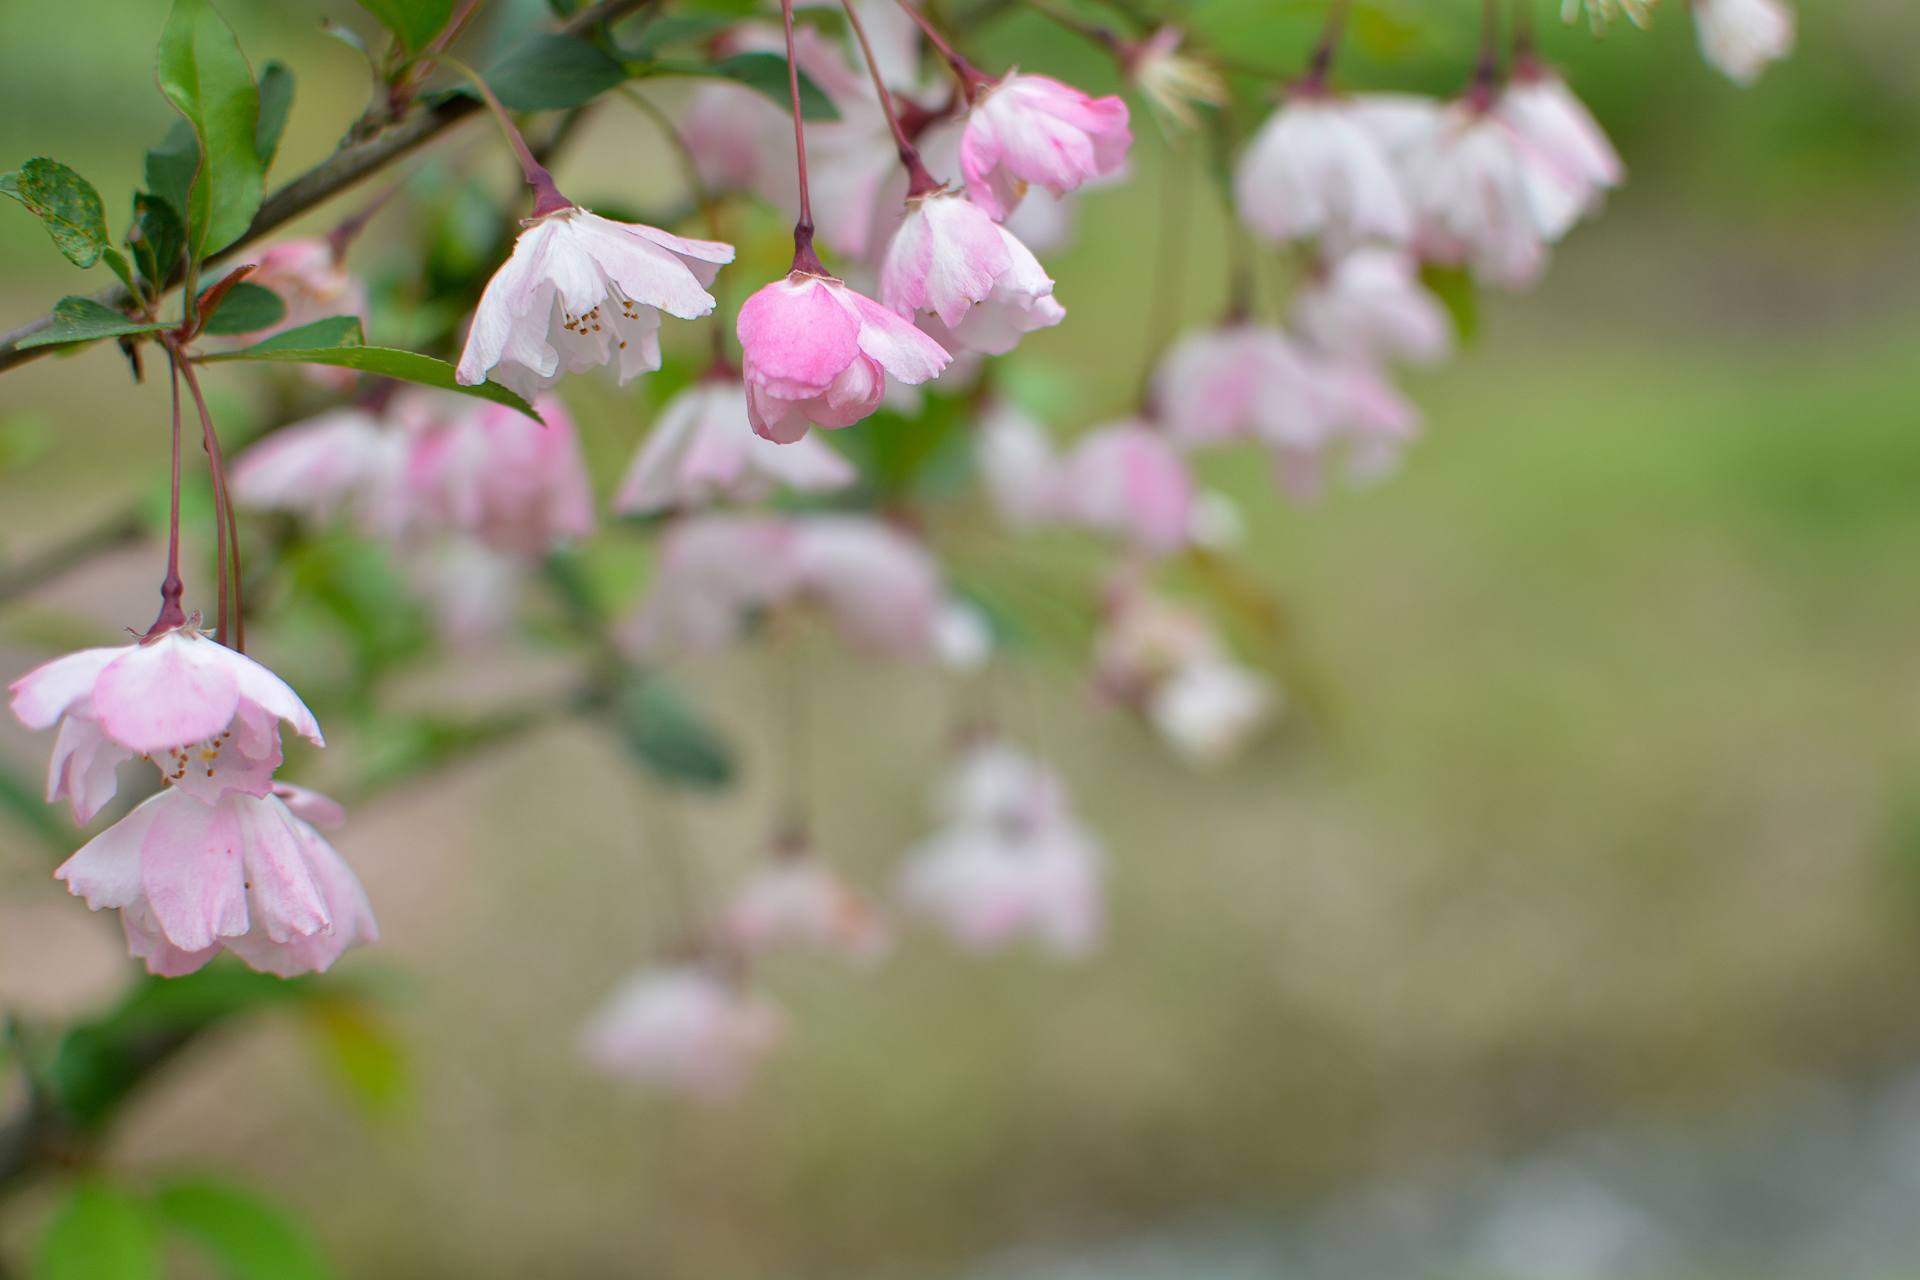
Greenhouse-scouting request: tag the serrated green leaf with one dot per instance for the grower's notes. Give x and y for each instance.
(553, 72)
(333, 331)
(276, 102)
(675, 29)
(78, 319)
(670, 738)
(247, 1237)
(65, 203)
(156, 237)
(385, 362)
(764, 72)
(247, 308)
(413, 22)
(99, 1233)
(203, 73)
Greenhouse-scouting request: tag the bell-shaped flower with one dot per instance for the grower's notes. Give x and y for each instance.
(702, 451)
(1563, 133)
(1017, 465)
(1742, 37)
(879, 588)
(345, 461)
(1217, 385)
(1033, 129)
(689, 1029)
(1207, 711)
(581, 290)
(951, 259)
(796, 900)
(308, 276)
(1167, 662)
(1314, 170)
(994, 782)
(498, 476)
(817, 353)
(1368, 423)
(1370, 305)
(1128, 481)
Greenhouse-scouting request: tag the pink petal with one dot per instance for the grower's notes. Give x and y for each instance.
(169, 692)
(193, 873)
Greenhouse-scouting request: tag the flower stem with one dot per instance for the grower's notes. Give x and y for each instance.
(1486, 70)
(226, 529)
(171, 588)
(1321, 61)
(971, 79)
(804, 258)
(546, 196)
(919, 181)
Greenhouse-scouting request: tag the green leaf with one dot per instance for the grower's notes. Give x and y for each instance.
(407, 366)
(170, 168)
(246, 1236)
(66, 203)
(677, 28)
(276, 101)
(156, 237)
(765, 72)
(413, 22)
(670, 738)
(369, 1056)
(552, 72)
(334, 331)
(99, 1233)
(204, 75)
(1455, 288)
(247, 308)
(83, 320)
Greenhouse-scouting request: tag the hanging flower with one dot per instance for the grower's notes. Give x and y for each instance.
(1743, 37)
(1313, 170)
(1564, 134)
(581, 290)
(1126, 480)
(689, 1029)
(489, 472)
(951, 259)
(1017, 465)
(1217, 385)
(703, 450)
(819, 354)
(1370, 305)
(1033, 129)
(345, 461)
(796, 900)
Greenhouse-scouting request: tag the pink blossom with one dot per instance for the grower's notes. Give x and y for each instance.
(1741, 37)
(1366, 417)
(951, 259)
(191, 876)
(344, 460)
(994, 782)
(819, 354)
(1207, 711)
(686, 1029)
(1017, 465)
(1370, 305)
(1033, 129)
(470, 588)
(880, 589)
(712, 574)
(581, 290)
(1563, 133)
(1219, 384)
(498, 476)
(1127, 480)
(1313, 170)
(963, 638)
(796, 900)
(702, 451)
(176, 689)
(310, 279)
(1167, 662)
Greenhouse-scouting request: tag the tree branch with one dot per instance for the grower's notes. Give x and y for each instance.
(343, 169)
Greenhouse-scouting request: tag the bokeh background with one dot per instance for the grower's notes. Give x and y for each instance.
(1570, 927)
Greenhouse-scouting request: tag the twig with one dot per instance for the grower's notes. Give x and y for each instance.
(343, 169)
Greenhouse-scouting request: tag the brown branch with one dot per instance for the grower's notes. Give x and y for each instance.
(338, 172)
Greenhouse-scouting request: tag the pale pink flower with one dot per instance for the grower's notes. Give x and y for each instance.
(687, 1029)
(1370, 305)
(963, 638)
(1220, 384)
(177, 689)
(1565, 136)
(1367, 419)
(1484, 197)
(1010, 861)
(1741, 37)
(1017, 465)
(498, 476)
(1144, 640)
(311, 280)
(1033, 129)
(191, 876)
(878, 588)
(581, 290)
(1127, 480)
(702, 450)
(797, 900)
(1313, 170)
(1208, 711)
(1166, 661)
(343, 461)
(470, 588)
(819, 354)
(951, 259)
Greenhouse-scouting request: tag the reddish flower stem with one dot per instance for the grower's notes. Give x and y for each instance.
(1486, 70)
(971, 79)
(171, 588)
(919, 181)
(804, 258)
(1321, 61)
(226, 528)
(546, 196)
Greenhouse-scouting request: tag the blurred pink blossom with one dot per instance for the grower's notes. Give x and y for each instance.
(687, 1029)
(796, 900)
(1033, 129)
(1128, 481)
(702, 450)
(1313, 170)
(1370, 305)
(494, 474)
(1742, 37)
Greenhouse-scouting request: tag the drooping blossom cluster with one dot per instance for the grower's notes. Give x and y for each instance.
(224, 856)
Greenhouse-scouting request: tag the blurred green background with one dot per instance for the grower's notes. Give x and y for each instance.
(1607, 816)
